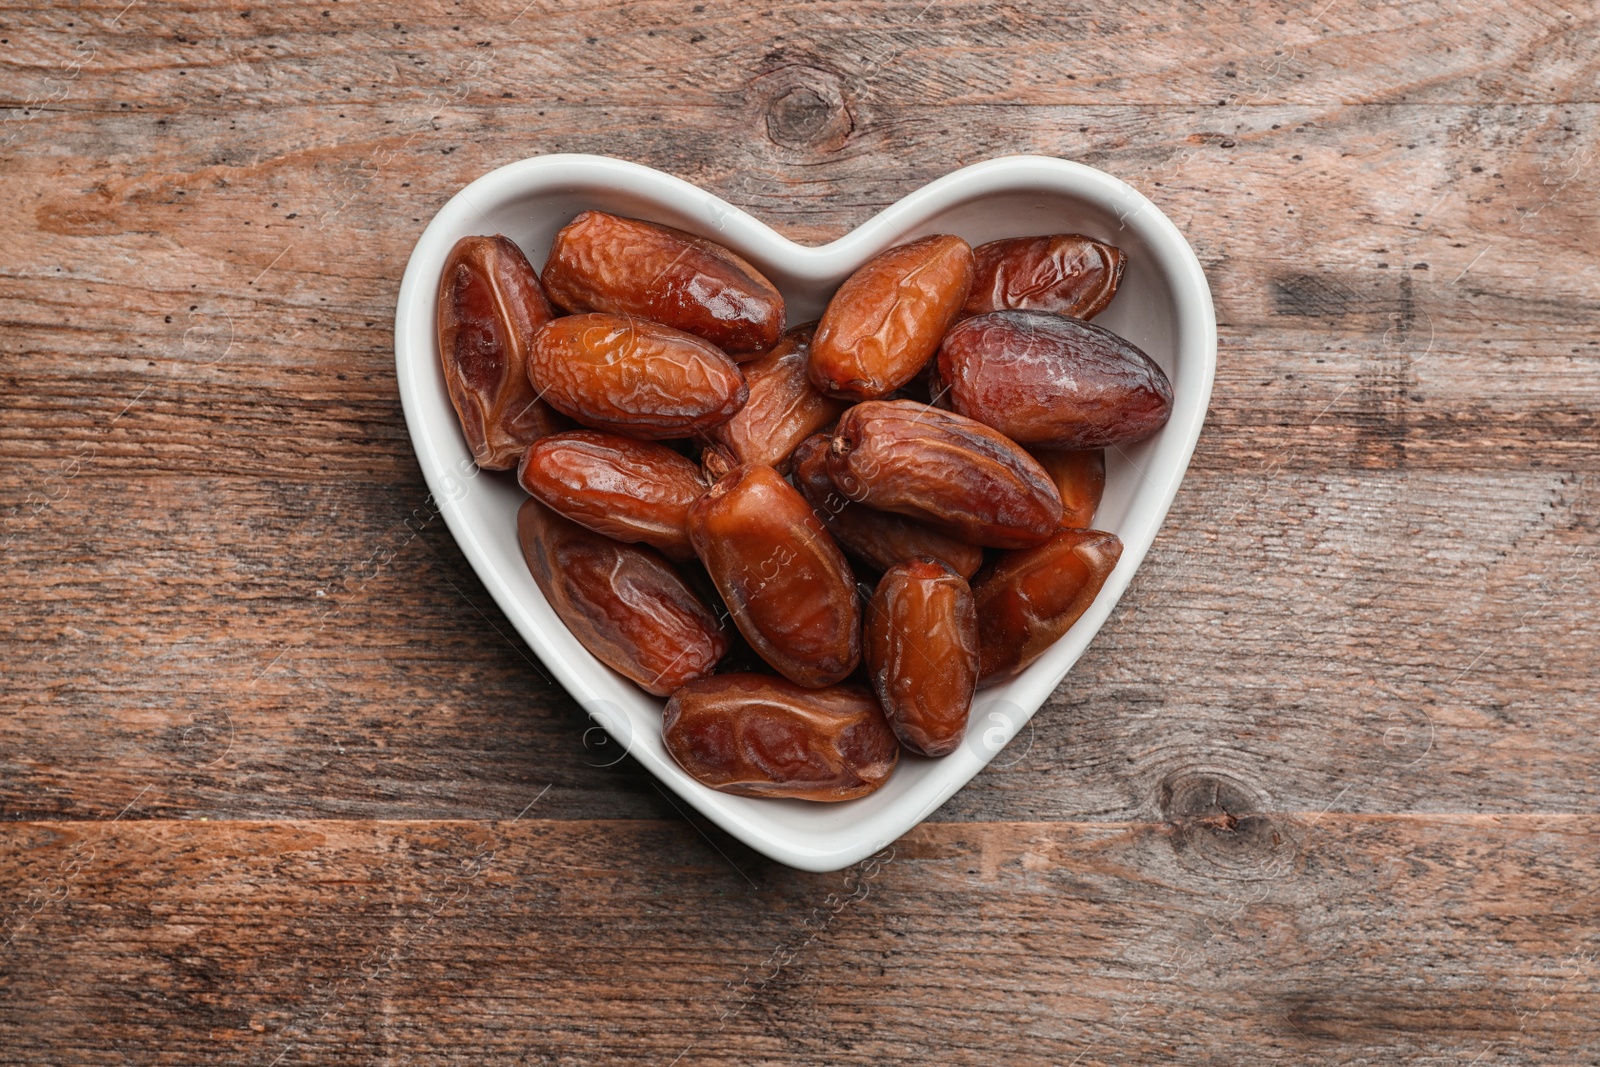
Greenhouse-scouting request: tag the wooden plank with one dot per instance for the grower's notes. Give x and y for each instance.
(1279, 938)
(1367, 639)
(172, 278)
(285, 55)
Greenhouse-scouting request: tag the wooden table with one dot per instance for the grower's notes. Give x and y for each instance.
(283, 787)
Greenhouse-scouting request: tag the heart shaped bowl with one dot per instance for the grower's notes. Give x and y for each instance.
(1164, 306)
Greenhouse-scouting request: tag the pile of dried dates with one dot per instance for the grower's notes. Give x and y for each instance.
(892, 504)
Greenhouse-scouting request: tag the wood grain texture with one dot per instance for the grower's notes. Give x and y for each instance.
(1400, 641)
(1370, 939)
(1322, 789)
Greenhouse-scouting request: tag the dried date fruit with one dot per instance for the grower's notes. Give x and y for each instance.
(1043, 379)
(1027, 599)
(784, 407)
(920, 643)
(626, 489)
(783, 578)
(634, 377)
(886, 320)
(943, 469)
(490, 304)
(623, 266)
(1080, 477)
(879, 539)
(740, 656)
(759, 736)
(625, 603)
(1064, 273)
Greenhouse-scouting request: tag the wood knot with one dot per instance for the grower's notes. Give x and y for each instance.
(805, 109)
(1219, 825)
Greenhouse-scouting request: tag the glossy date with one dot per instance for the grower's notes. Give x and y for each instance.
(623, 266)
(634, 377)
(1042, 379)
(626, 489)
(886, 320)
(490, 303)
(624, 603)
(1065, 273)
(784, 407)
(1029, 598)
(879, 539)
(920, 645)
(782, 576)
(943, 469)
(1080, 477)
(759, 736)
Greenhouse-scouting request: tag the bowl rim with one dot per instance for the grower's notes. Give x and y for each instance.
(1194, 323)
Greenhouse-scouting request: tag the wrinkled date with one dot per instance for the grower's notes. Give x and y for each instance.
(740, 656)
(880, 539)
(625, 603)
(943, 469)
(1042, 379)
(1029, 598)
(760, 736)
(920, 643)
(784, 407)
(634, 377)
(626, 489)
(886, 320)
(943, 422)
(1080, 477)
(490, 304)
(603, 262)
(784, 580)
(1067, 273)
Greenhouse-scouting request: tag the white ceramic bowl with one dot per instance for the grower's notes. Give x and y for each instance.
(1163, 306)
